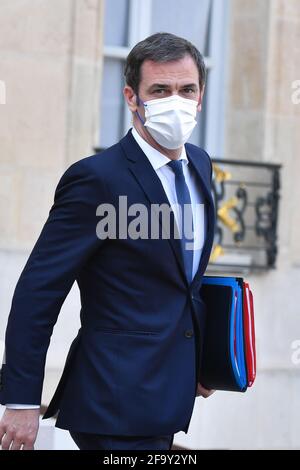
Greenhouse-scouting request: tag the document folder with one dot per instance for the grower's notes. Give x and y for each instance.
(228, 360)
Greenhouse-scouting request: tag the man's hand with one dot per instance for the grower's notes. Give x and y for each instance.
(203, 392)
(18, 429)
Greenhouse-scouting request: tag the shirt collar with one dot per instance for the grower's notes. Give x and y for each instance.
(156, 158)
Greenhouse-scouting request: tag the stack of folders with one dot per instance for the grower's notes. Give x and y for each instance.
(228, 355)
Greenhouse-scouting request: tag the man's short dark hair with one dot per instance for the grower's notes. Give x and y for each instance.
(161, 47)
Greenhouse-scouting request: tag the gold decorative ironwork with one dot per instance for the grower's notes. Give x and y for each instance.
(217, 251)
(220, 175)
(226, 219)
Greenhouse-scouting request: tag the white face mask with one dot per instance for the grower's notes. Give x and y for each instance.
(170, 120)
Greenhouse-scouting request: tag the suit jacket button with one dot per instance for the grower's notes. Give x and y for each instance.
(189, 334)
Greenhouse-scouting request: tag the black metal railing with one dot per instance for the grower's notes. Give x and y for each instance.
(246, 196)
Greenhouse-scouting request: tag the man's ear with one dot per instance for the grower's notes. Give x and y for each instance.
(131, 98)
(199, 107)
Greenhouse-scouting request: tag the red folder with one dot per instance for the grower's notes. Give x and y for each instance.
(249, 332)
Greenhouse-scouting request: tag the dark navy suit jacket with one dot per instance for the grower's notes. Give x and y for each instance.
(134, 365)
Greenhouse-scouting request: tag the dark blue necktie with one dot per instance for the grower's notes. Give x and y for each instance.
(184, 201)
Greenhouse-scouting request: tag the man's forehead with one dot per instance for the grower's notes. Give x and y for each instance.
(164, 72)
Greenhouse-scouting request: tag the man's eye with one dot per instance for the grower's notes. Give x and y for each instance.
(189, 90)
(159, 91)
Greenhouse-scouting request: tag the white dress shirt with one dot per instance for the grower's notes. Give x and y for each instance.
(167, 177)
(12, 406)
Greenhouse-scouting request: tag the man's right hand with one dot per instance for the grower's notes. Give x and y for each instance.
(19, 428)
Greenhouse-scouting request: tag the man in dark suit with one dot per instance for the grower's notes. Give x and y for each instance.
(132, 372)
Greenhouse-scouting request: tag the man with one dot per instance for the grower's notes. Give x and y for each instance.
(132, 372)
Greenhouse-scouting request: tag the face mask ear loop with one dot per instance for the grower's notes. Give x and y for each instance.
(138, 102)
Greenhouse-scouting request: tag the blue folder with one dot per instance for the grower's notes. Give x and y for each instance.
(223, 362)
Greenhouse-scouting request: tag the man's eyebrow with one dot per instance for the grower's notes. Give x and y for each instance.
(164, 86)
(190, 85)
(159, 85)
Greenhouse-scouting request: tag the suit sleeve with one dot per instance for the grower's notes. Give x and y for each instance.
(66, 242)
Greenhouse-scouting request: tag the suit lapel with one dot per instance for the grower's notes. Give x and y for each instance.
(196, 162)
(145, 175)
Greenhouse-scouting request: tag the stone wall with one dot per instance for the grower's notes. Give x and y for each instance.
(50, 63)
